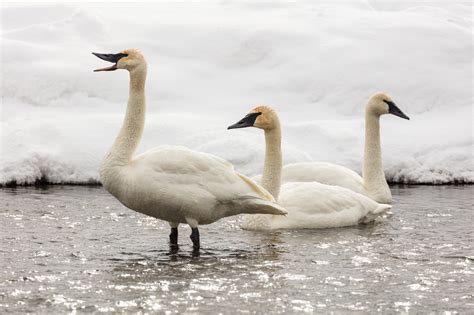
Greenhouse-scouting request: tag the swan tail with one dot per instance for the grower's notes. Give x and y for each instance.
(379, 211)
(254, 206)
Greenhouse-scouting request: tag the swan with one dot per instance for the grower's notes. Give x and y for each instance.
(373, 183)
(309, 204)
(172, 183)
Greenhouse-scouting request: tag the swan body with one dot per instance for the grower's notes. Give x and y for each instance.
(309, 204)
(173, 183)
(178, 185)
(312, 205)
(373, 183)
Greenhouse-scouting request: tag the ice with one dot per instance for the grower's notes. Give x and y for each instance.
(210, 63)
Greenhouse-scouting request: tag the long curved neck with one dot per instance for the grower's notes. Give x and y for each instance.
(129, 136)
(271, 177)
(373, 173)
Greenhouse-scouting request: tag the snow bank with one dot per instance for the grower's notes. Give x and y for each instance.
(316, 63)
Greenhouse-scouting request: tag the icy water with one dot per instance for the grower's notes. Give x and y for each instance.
(66, 248)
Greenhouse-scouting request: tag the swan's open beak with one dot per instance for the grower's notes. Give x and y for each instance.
(247, 121)
(110, 58)
(394, 110)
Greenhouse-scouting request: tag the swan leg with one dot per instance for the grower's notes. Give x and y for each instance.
(174, 234)
(195, 233)
(195, 238)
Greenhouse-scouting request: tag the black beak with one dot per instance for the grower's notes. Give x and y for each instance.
(394, 110)
(110, 57)
(247, 121)
(114, 58)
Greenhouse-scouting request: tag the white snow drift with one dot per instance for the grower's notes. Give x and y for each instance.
(317, 64)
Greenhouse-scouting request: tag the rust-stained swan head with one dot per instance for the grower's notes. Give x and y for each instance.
(380, 104)
(128, 59)
(263, 117)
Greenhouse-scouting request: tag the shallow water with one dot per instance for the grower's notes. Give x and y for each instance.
(66, 248)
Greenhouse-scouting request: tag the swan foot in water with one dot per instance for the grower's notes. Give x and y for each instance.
(193, 223)
(174, 237)
(195, 238)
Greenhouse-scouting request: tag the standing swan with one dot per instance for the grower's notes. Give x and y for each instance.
(309, 204)
(172, 183)
(373, 183)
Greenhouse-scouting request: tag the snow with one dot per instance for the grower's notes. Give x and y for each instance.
(210, 63)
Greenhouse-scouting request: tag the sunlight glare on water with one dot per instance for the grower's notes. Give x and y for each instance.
(68, 248)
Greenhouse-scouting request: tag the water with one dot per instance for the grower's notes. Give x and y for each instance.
(66, 248)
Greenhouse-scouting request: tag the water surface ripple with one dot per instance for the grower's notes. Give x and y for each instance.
(66, 248)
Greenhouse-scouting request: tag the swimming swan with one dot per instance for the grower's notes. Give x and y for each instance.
(309, 204)
(373, 183)
(172, 183)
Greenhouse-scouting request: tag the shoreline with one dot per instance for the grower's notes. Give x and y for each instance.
(42, 184)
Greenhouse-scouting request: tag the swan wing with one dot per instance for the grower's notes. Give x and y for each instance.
(325, 173)
(184, 165)
(257, 188)
(198, 184)
(315, 205)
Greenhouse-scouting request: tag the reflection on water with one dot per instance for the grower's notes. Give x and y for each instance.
(67, 248)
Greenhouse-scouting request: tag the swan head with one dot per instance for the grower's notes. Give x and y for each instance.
(128, 59)
(262, 117)
(380, 104)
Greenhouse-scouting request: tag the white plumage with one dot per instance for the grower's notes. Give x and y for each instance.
(309, 204)
(173, 183)
(313, 205)
(373, 183)
(325, 173)
(178, 185)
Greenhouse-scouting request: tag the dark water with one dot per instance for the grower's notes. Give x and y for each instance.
(67, 248)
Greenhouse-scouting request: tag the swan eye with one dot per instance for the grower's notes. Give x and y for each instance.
(120, 56)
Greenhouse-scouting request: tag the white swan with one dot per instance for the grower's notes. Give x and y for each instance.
(309, 204)
(172, 183)
(373, 183)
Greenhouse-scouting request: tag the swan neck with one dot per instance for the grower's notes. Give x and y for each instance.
(138, 79)
(132, 128)
(373, 173)
(271, 178)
